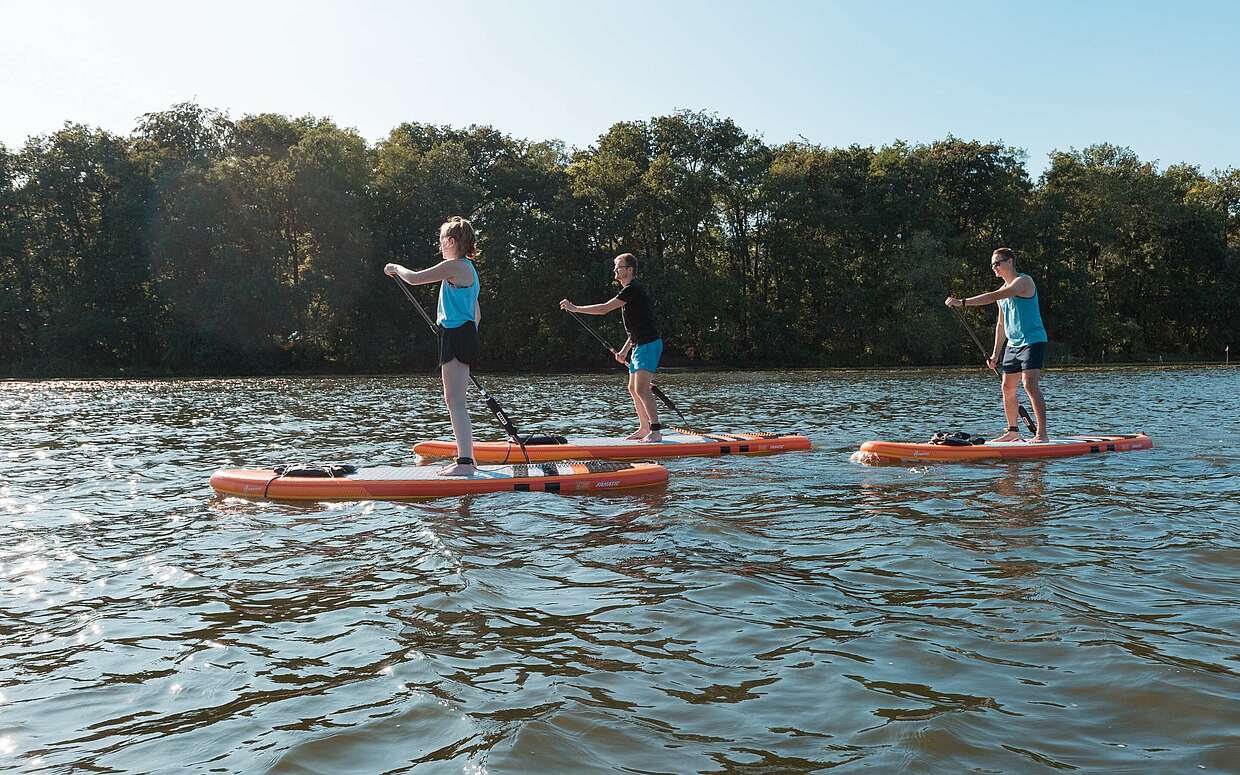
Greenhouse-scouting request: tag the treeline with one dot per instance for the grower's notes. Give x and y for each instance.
(204, 245)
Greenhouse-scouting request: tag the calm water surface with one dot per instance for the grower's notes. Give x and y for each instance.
(758, 615)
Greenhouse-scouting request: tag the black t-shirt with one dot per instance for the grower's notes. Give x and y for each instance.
(638, 313)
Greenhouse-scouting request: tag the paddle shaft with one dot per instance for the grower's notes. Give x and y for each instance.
(653, 387)
(1024, 415)
(501, 416)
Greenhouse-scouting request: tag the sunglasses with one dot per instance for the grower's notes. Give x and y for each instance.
(993, 264)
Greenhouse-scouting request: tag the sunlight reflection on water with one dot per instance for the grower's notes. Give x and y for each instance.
(781, 613)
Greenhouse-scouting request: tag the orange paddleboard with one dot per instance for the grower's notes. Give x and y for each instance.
(675, 443)
(405, 482)
(1066, 446)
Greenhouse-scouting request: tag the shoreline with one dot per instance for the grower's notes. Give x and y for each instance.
(673, 369)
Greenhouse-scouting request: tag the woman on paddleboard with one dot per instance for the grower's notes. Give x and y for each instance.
(1020, 325)
(642, 349)
(458, 317)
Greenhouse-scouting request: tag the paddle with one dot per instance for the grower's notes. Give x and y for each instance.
(1024, 415)
(500, 415)
(653, 387)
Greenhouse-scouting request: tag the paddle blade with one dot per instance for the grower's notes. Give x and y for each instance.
(1029, 423)
(659, 394)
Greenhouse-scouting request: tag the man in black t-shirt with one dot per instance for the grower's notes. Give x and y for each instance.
(643, 348)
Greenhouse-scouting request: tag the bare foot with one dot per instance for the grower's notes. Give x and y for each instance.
(1009, 436)
(1039, 440)
(457, 469)
(640, 433)
(653, 436)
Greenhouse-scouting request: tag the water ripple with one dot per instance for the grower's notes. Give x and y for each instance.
(793, 613)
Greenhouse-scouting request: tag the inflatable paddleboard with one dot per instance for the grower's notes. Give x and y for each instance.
(404, 482)
(676, 443)
(1066, 446)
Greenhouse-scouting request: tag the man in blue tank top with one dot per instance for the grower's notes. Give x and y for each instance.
(1020, 325)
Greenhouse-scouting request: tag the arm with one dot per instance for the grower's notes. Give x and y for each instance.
(622, 355)
(592, 309)
(444, 270)
(1019, 286)
(1000, 339)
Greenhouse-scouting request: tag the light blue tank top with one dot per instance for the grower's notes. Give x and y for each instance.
(456, 305)
(1022, 320)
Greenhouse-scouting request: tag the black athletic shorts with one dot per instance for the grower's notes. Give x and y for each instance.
(1018, 359)
(460, 343)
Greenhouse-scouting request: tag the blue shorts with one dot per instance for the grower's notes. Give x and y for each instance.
(1027, 358)
(646, 356)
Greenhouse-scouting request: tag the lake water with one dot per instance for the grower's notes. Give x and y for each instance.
(756, 615)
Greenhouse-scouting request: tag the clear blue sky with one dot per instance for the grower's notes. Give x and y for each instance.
(1153, 76)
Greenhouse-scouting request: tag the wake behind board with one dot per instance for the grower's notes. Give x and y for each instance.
(1066, 446)
(676, 443)
(406, 482)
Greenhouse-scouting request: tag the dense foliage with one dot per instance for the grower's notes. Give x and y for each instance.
(203, 245)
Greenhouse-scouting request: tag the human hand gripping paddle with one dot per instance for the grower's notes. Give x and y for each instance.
(659, 394)
(1024, 415)
(500, 415)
